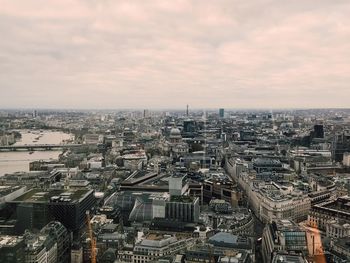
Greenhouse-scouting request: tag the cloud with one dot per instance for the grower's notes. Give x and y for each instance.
(161, 54)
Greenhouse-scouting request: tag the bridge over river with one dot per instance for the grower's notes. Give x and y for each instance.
(34, 147)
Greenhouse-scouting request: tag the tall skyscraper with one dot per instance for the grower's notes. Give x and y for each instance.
(221, 113)
(318, 131)
(189, 126)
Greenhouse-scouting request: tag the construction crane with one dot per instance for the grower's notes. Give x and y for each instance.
(92, 239)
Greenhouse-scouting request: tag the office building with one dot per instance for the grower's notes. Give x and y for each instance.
(340, 249)
(155, 246)
(176, 185)
(281, 257)
(322, 214)
(346, 159)
(283, 235)
(76, 254)
(318, 131)
(182, 208)
(189, 126)
(40, 248)
(208, 253)
(221, 113)
(60, 235)
(12, 249)
(36, 208)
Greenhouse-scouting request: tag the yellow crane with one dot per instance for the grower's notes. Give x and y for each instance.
(92, 239)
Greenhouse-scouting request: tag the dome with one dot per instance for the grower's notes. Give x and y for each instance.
(175, 131)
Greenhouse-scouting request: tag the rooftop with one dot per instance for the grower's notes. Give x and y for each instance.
(286, 225)
(266, 161)
(157, 240)
(41, 196)
(341, 205)
(9, 241)
(343, 242)
(280, 258)
(224, 239)
(5, 190)
(182, 199)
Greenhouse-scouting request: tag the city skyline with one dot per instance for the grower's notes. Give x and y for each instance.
(85, 54)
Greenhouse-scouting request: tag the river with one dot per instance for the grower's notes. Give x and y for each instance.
(17, 161)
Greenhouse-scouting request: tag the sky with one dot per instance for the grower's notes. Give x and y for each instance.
(111, 54)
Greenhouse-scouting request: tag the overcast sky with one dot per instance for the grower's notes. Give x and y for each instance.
(169, 53)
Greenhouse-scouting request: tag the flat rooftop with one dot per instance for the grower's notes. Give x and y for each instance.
(267, 162)
(341, 205)
(280, 258)
(41, 196)
(343, 242)
(5, 190)
(182, 199)
(224, 238)
(9, 241)
(286, 225)
(155, 236)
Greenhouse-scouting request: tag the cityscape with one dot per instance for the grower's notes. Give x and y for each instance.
(181, 131)
(175, 186)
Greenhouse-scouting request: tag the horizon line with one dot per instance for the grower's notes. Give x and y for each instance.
(172, 109)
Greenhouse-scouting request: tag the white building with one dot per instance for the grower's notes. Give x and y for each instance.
(153, 247)
(76, 255)
(337, 229)
(40, 249)
(346, 159)
(269, 200)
